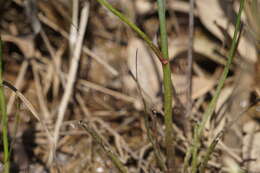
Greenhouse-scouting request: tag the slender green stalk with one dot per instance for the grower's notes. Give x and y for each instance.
(163, 57)
(209, 151)
(212, 105)
(223, 77)
(4, 118)
(155, 49)
(167, 84)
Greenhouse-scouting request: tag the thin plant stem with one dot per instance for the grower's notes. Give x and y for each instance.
(190, 59)
(209, 152)
(4, 118)
(106, 148)
(223, 77)
(167, 85)
(212, 105)
(16, 127)
(149, 42)
(186, 160)
(151, 137)
(218, 137)
(164, 59)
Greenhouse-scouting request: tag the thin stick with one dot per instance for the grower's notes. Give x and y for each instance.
(71, 78)
(118, 95)
(18, 84)
(190, 59)
(152, 138)
(85, 49)
(106, 148)
(112, 70)
(39, 90)
(74, 25)
(104, 125)
(29, 106)
(55, 59)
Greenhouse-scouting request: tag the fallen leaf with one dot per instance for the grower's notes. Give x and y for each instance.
(212, 15)
(149, 72)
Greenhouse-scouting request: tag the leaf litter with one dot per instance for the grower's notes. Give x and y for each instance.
(107, 97)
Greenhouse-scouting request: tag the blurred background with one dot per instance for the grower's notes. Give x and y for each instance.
(41, 40)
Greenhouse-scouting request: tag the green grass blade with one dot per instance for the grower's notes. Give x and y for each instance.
(4, 118)
(213, 102)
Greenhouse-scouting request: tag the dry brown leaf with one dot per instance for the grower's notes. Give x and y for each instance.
(202, 45)
(147, 75)
(251, 146)
(143, 6)
(224, 95)
(232, 165)
(211, 14)
(181, 6)
(200, 86)
(25, 44)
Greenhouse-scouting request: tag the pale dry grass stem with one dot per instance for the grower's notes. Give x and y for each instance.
(71, 78)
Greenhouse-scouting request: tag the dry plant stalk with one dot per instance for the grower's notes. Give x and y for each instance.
(71, 79)
(106, 148)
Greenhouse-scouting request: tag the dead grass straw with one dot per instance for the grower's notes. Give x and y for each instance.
(71, 78)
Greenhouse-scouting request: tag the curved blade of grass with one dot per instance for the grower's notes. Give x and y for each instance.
(213, 102)
(155, 49)
(29, 106)
(4, 117)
